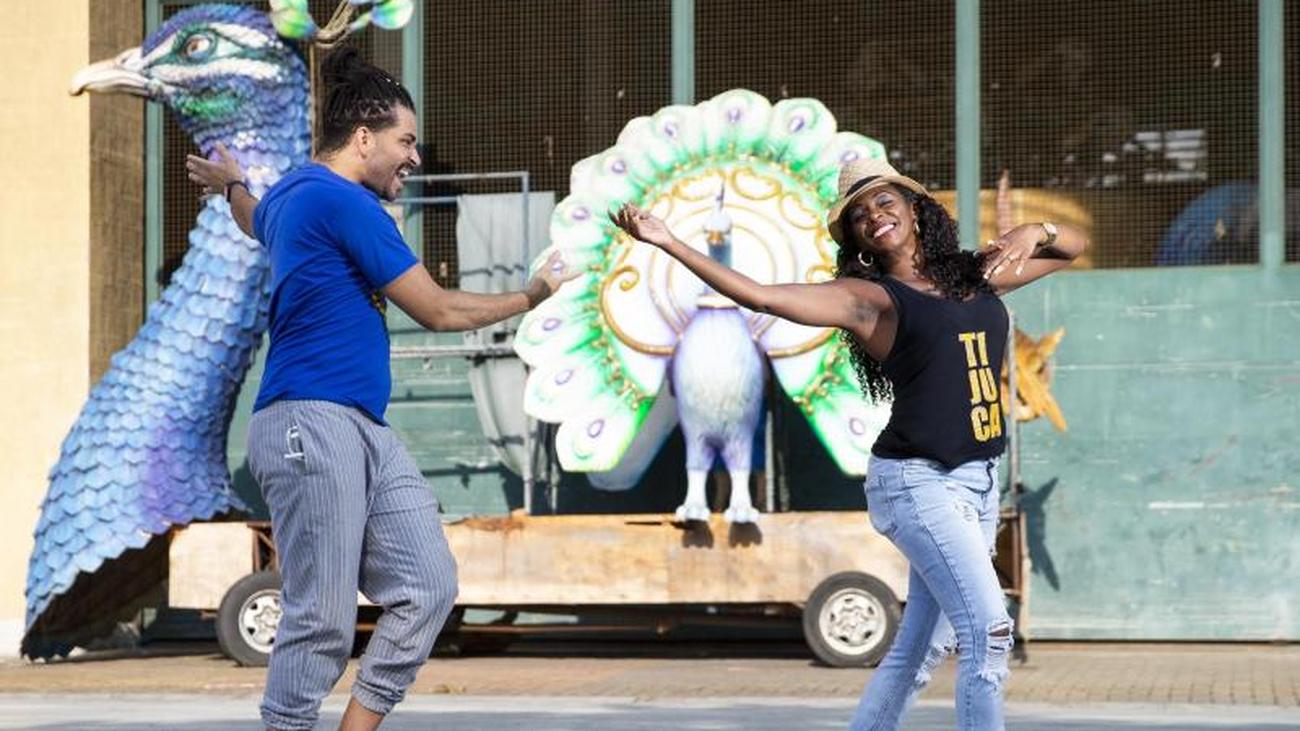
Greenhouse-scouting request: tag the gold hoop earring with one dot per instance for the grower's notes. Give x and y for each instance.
(866, 264)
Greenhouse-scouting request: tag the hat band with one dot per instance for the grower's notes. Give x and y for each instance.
(860, 185)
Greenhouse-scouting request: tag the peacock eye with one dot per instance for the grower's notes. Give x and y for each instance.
(198, 46)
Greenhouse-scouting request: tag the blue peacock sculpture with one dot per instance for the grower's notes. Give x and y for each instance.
(148, 450)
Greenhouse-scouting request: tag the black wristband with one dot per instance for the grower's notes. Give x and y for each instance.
(232, 184)
(534, 297)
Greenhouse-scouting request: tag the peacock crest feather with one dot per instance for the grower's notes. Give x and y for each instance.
(292, 19)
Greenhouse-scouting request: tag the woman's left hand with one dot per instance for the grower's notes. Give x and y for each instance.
(1013, 248)
(641, 225)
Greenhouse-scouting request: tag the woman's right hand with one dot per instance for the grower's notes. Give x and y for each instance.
(642, 226)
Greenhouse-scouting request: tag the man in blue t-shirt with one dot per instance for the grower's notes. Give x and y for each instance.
(350, 509)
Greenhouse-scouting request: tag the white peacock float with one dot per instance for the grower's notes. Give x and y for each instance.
(637, 344)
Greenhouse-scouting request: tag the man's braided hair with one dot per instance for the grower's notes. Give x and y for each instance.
(357, 95)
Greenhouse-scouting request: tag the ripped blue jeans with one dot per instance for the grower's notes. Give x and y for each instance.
(944, 522)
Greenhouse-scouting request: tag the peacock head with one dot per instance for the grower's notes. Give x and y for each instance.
(219, 68)
(717, 227)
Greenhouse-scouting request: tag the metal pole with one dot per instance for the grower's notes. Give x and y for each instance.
(683, 50)
(769, 463)
(480, 350)
(1272, 137)
(443, 177)
(1009, 418)
(527, 473)
(413, 79)
(968, 122)
(153, 169)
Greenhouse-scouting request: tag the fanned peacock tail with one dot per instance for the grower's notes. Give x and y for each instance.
(148, 450)
(600, 347)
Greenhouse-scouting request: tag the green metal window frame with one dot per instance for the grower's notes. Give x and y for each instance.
(153, 194)
(1272, 134)
(1271, 103)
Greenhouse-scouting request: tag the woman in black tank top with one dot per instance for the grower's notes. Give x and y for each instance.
(925, 325)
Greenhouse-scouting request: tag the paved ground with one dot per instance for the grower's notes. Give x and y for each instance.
(687, 687)
(93, 712)
(1056, 673)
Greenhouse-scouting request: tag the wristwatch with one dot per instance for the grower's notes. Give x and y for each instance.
(1050, 228)
(231, 185)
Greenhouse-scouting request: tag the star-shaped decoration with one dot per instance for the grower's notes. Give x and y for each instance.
(1033, 378)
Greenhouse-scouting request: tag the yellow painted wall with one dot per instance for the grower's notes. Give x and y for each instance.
(44, 268)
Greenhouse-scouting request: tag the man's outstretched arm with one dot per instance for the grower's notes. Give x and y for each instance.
(451, 310)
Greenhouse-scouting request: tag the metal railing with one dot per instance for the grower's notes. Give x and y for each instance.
(478, 350)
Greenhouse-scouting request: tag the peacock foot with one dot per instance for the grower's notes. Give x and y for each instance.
(689, 511)
(741, 514)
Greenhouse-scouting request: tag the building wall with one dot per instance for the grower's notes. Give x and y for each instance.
(1169, 509)
(44, 268)
(117, 277)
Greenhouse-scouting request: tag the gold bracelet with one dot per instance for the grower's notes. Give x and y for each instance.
(1050, 228)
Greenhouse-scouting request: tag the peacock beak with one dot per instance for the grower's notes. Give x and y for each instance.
(120, 75)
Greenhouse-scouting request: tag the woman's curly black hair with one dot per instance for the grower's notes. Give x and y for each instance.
(957, 274)
(357, 94)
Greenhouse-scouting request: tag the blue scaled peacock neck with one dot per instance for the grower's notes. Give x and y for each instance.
(148, 450)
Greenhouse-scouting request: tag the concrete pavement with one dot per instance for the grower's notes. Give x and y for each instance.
(682, 686)
(97, 712)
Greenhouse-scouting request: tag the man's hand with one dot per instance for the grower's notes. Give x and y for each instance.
(214, 175)
(642, 226)
(553, 274)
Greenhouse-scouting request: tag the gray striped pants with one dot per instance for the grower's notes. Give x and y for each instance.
(349, 510)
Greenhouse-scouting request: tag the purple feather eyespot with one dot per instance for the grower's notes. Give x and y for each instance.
(857, 427)
(550, 323)
(563, 377)
(733, 115)
(797, 122)
(618, 166)
(595, 428)
(670, 129)
(849, 156)
(581, 213)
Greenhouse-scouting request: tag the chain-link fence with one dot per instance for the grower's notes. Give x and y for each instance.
(1137, 120)
(181, 202)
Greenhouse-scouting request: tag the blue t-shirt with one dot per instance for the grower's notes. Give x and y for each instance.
(333, 248)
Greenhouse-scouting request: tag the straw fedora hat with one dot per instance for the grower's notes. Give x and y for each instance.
(859, 177)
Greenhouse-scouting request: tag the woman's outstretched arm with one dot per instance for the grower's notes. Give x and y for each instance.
(852, 304)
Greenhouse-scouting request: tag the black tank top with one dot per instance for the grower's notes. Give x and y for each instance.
(946, 370)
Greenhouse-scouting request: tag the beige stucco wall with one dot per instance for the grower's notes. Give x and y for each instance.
(44, 268)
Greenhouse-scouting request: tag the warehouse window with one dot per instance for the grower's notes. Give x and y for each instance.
(1138, 120)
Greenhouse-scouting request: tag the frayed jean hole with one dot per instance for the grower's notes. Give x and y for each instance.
(933, 657)
(1000, 635)
(999, 643)
(966, 511)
